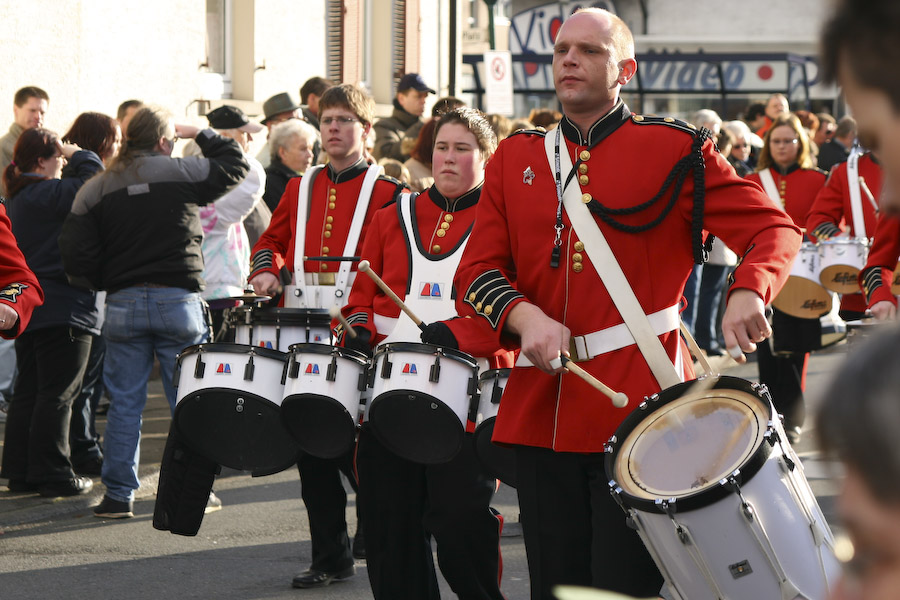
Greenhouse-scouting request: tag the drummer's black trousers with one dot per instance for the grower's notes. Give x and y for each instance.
(575, 533)
(326, 505)
(405, 504)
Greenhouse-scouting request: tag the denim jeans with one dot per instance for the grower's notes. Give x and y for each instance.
(141, 322)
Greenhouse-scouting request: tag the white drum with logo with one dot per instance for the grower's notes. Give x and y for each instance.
(278, 328)
(498, 461)
(841, 260)
(421, 395)
(228, 406)
(322, 392)
(719, 497)
(803, 296)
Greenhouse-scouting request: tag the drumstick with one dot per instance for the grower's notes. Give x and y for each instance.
(333, 258)
(619, 399)
(695, 348)
(868, 192)
(335, 313)
(365, 268)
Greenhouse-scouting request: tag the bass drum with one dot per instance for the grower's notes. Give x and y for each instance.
(228, 406)
(498, 461)
(707, 477)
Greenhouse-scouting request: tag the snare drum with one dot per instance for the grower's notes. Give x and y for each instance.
(278, 328)
(498, 461)
(841, 261)
(803, 295)
(229, 406)
(322, 397)
(420, 399)
(719, 497)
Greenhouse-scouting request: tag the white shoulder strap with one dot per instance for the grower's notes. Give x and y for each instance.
(768, 183)
(856, 206)
(304, 195)
(356, 225)
(606, 265)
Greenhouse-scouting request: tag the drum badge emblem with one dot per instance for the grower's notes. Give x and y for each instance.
(312, 369)
(431, 290)
(527, 176)
(224, 368)
(410, 369)
(266, 344)
(317, 338)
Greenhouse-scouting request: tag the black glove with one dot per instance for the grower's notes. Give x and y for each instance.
(438, 334)
(826, 231)
(360, 343)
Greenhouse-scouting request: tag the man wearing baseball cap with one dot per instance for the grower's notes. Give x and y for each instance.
(396, 135)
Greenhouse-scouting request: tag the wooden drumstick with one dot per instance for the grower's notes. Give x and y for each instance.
(335, 313)
(365, 268)
(868, 193)
(619, 399)
(694, 347)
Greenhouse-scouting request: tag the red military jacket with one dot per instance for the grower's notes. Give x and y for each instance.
(19, 288)
(623, 162)
(797, 188)
(832, 205)
(333, 202)
(441, 226)
(877, 276)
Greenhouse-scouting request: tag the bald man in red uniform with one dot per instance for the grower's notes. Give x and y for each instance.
(539, 289)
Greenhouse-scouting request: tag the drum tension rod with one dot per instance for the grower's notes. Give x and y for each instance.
(331, 373)
(249, 369)
(435, 374)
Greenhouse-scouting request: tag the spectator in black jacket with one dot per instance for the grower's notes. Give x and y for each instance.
(53, 352)
(135, 232)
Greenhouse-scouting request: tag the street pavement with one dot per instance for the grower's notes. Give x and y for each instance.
(56, 548)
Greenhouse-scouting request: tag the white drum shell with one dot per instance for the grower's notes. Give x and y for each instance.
(488, 405)
(227, 370)
(278, 329)
(847, 257)
(312, 378)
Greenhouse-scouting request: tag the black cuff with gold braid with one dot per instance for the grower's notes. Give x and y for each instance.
(871, 281)
(262, 260)
(490, 295)
(826, 231)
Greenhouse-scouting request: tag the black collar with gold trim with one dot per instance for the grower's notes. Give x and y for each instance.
(467, 200)
(785, 170)
(600, 130)
(351, 172)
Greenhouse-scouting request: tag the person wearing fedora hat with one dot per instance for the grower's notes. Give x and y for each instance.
(396, 135)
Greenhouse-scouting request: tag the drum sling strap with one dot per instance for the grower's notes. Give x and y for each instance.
(609, 270)
(856, 207)
(768, 183)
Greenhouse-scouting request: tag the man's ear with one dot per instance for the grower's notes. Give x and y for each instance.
(627, 69)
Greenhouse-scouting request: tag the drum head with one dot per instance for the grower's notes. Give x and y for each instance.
(689, 444)
(803, 298)
(416, 426)
(842, 279)
(498, 461)
(321, 425)
(235, 429)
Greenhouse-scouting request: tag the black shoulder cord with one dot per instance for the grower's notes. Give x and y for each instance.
(693, 161)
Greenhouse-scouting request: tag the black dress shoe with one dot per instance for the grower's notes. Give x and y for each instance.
(69, 487)
(20, 486)
(359, 545)
(312, 578)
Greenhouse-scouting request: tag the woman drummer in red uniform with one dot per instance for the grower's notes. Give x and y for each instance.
(786, 174)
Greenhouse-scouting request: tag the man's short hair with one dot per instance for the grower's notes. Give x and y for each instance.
(754, 111)
(123, 108)
(825, 117)
(864, 33)
(314, 85)
(353, 98)
(28, 92)
(846, 126)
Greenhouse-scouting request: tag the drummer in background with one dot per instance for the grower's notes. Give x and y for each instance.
(406, 503)
(877, 276)
(346, 113)
(536, 297)
(833, 205)
(786, 174)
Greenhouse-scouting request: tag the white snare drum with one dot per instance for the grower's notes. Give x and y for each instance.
(420, 399)
(841, 261)
(322, 397)
(229, 406)
(278, 328)
(803, 295)
(719, 497)
(498, 461)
